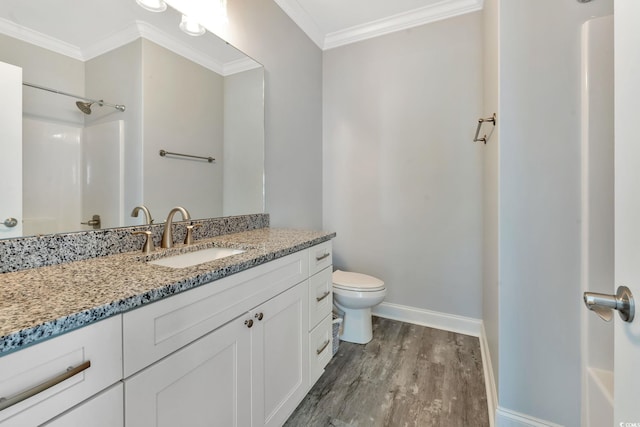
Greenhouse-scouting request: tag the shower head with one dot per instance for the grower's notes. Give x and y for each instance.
(85, 107)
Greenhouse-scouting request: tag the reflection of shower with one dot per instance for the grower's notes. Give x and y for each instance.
(85, 107)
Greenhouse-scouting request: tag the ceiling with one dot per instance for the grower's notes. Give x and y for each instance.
(333, 23)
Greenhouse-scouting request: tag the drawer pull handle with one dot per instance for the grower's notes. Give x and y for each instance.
(323, 347)
(6, 402)
(326, 294)
(321, 257)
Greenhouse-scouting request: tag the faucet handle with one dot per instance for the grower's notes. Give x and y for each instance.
(148, 244)
(147, 213)
(188, 239)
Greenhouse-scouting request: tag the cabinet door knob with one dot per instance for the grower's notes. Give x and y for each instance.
(10, 222)
(249, 323)
(259, 316)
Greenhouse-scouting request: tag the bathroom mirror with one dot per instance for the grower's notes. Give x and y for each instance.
(182, 94)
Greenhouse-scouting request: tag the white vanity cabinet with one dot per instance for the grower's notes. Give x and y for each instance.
(249, 369)
(94, 355)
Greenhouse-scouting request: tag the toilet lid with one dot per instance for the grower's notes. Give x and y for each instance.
(356, 281)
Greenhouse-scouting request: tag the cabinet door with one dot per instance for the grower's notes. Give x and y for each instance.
(103, 410)
(207, 383)
(279, 356)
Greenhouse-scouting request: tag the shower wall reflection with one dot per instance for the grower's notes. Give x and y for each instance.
(51, 153)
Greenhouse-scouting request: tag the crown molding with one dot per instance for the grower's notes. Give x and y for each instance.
(44, 41)
(302, 20)
(113, 41)
(239, 65)
(120, 38)
(178, 47)
(402, 21)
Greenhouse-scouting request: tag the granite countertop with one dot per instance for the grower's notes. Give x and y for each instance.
(40, 303)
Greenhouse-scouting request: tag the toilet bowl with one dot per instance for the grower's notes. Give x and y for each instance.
(355, 294)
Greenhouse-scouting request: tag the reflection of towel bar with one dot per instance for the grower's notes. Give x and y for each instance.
(491, 119)
(164, 153)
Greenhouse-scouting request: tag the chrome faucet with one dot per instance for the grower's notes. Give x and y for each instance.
(147, 214)
(167, 235)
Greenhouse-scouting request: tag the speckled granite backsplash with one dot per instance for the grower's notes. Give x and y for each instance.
(39, 251)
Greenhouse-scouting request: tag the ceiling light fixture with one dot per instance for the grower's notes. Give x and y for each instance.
(153, 5)
(191, 26)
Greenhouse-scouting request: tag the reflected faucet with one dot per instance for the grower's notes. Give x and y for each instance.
(147, 214)
(167, 235)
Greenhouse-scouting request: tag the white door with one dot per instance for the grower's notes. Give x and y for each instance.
(627, 207)
(10, 151)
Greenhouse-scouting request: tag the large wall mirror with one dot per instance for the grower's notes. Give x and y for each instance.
(183, 94)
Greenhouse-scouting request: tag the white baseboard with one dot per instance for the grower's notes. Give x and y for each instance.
(489, 378)
(509, 418)
(432, 319)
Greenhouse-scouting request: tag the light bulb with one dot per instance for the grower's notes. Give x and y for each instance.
(153, 5)
(191, 27)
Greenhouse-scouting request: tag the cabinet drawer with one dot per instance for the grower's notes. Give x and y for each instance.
(320, 296)
(320, 257)
(320, 349)
(99, 343)
(163, 327)
(104, 410)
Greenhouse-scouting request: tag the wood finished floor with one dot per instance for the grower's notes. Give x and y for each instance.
(408, 375)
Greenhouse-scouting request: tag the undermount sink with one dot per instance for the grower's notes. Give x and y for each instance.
(196, 257)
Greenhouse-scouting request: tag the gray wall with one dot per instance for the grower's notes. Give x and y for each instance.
(402, 177)
(539, 207)
(243, 187)
(293, 109)
(116, 77)
(183, 112)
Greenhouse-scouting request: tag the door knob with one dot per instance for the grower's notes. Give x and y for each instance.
(603, 304)
(10, 222)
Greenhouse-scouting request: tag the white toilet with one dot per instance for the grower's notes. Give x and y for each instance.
(355, 294)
